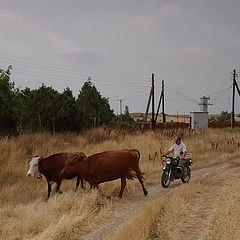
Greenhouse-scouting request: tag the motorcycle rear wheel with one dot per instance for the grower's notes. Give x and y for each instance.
(187, 178)
(165, 180)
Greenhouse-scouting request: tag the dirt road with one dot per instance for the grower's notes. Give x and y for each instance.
(198, 218)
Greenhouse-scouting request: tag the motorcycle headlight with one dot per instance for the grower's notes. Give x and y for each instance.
(168, 161)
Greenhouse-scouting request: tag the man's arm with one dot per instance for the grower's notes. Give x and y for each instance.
(184, 150)
(169, 151)
(166, 153)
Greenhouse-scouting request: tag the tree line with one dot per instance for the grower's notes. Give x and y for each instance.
(47, 109)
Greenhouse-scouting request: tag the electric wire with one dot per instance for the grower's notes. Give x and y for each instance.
(136, 82)
(181, 94)
(68, 67)
(223, 92)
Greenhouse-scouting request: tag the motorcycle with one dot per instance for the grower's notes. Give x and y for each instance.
(172, 170)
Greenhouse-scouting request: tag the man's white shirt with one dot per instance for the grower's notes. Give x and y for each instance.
(176, 149)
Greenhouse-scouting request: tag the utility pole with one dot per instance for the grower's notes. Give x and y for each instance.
(120, 101)
(161, 99)
(233, 99)
(235, 85)
(153, 123)
(146, 113)
(159, 103)
(163, 103)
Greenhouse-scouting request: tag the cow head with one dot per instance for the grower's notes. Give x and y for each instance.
(73, 166)
(33, 166)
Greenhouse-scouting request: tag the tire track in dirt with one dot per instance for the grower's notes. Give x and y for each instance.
(128, 208)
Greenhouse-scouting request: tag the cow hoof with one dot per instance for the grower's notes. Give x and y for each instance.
(145, 192)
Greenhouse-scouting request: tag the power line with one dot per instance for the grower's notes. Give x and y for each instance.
(69, 67)
(219, 91)
(224, 91)
(181, 95)
(184, 99)
(73, 77)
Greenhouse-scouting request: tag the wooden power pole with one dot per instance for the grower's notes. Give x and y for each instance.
(153, 122)
(163, 103)
(146, 113)
(120, 101)
(233, 99)
(161, 100)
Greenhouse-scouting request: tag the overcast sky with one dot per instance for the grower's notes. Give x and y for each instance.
(192, 45)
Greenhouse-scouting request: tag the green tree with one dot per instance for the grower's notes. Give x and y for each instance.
(212, 119)
(7, 94)
(224, 117)
(67, 116)
(126, 118)
(93, 108)
(39, 107)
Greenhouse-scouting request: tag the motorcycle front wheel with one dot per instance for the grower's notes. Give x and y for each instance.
(187, 178)
(165, 180)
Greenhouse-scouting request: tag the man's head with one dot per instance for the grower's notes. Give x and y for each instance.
(177, 140)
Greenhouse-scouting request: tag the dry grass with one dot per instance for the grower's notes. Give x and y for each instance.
(157, 217)
(226, 220)
(25, 215)
(194, 211)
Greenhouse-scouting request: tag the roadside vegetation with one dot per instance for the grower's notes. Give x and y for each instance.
(24, 213)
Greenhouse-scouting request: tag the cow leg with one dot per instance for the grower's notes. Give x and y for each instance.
(123, 185)
(58, 186)
(49, 188)
(140, 179)
(82, 186)
(78, 182)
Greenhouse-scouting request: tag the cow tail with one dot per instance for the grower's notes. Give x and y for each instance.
(138, 155)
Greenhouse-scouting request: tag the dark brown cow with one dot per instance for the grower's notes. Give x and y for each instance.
(51, 168)
(106, 166)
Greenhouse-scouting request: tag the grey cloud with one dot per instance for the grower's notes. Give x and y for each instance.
(84, 58)
(192, 44)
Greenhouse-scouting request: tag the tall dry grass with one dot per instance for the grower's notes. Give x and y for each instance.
(25, 215)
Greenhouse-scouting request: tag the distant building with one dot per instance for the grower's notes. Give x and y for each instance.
(199, 120)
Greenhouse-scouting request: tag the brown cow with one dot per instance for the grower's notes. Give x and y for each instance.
(106, 166)
(51, 168)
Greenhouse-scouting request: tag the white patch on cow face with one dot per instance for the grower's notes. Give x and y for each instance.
(33, 167)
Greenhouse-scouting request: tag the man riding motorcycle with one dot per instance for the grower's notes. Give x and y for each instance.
(179, 149)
